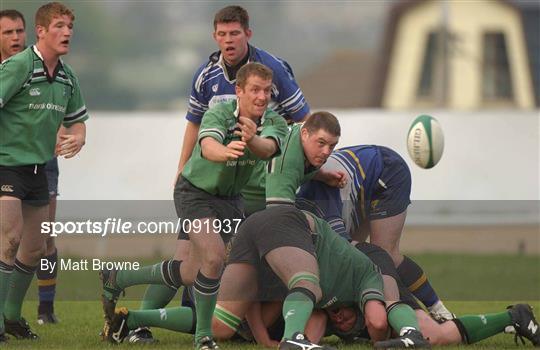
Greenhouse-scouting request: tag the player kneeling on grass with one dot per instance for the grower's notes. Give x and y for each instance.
(234, 136)
(300, 252)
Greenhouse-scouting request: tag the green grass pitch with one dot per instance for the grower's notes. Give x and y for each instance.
(468, 284)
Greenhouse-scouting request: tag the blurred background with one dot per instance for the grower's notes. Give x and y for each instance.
(474, 65)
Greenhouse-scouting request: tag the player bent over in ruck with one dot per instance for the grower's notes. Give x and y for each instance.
(233, 137)
(300, 250)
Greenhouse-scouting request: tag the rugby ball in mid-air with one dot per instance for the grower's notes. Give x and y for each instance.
(425, 141)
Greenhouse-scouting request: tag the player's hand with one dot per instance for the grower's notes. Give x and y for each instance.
(235, 149)
(248, 129)
(69, 145)
(335, 179)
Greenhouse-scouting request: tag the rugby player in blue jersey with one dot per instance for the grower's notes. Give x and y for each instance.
(213, 83)
(373, 203)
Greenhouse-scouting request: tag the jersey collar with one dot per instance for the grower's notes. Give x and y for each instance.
(59, 66)
(217, 58)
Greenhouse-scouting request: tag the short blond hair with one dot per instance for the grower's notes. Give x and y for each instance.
(46, 13)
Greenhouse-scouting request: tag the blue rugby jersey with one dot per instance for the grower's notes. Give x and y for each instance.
(345, 209)
(211, 86)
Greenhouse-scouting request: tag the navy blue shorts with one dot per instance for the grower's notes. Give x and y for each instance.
(193, 203)
(52, 172)
(392, 193)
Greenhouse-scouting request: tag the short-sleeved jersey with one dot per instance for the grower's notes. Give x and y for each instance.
(227, 179)
(211, 85)
(346, 208)
(288, 171)
(347, 276)
(32, 107)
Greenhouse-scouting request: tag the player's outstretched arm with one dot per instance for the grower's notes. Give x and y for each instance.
(263, 148)
(214, 151)
(71, 141)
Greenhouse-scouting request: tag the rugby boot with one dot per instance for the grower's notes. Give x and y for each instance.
(110, 294)
(47, 318)
(300, 342)
(440, 313)
(20, 329)
(206, 343)
(118, 329)
(524, 323)
(141, 335)
(408, 339)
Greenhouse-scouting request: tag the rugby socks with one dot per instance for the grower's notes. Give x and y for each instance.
(157, 296)
(165, 273)
(179, 319)
(402, 317)
(205, 290)
(46, 281)
(416, 281)
(297, 309)
(18, 285)
(478, 327)
(5, 276)
(227, 318)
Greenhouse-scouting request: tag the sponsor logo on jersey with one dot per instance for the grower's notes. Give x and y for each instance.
(47, 106)
(330, 302)
(220, 99)
(7, 188)
(245, 162)
(34, 92)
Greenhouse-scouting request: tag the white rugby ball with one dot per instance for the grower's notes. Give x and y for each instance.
(425, 141)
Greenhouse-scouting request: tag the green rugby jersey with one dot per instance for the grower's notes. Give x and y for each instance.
(32, 107)
(347, 276)
(227, 178)
(288, 171)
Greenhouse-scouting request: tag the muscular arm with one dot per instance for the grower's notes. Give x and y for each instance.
(262, 147)
(214, 151)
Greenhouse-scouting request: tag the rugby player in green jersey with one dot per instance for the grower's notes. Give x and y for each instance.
(234, 136)
(294, 255)
(13, 41)
(345, 285)
(38, 94)
(306, 149)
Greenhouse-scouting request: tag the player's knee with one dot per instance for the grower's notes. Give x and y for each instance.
(35, 254)
(214, 261)
(306, 281)
(375, 317)
(9, 247)
(220, 330)
(378, 324)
